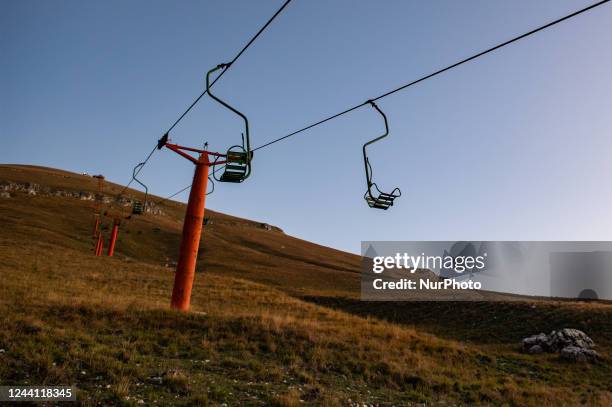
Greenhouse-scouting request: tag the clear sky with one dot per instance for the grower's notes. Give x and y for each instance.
(515, 145)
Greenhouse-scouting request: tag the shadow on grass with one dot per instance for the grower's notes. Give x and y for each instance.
(480, 322)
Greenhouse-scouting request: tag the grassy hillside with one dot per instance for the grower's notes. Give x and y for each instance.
(276, 320)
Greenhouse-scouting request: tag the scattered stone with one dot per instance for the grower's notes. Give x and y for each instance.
(156, 379)
(540, 340)
(535, 350)
(5, 194)
(576, 354)
(572, 345)
(569, 337)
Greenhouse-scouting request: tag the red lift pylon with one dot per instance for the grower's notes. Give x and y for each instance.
(192, 226)
(97, 230)
(113, 237)
(97, 204)
(99, 244)
(117, 215)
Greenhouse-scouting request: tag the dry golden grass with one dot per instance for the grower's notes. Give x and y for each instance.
(104, 324)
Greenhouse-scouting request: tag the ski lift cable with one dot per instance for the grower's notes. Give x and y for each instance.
(414, 82)
(189, 186)
(137, 171)
(261, 30)
(438, 72)
(173, 195)
(248, 44)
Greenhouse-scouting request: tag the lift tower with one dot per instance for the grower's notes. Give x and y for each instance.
(194, 218)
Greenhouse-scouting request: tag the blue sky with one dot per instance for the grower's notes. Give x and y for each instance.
(515, 145)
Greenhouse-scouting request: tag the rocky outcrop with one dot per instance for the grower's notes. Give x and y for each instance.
(33, 189)
(87, 196)
(569, 337)
(571, 344)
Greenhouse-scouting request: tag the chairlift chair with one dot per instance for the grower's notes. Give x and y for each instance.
(238, 160)
(373, 195)
(237, 166)
(138, 206)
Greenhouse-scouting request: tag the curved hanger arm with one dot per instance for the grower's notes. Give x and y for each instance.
(366, 161)
(246, 121)
(212, 182)
(134, 172)
(375, 106)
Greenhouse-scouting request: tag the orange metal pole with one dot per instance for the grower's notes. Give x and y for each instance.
(192, 231)
(96, 246)
(100, 244)
(96, 224)
(97, 203)
(113, 238)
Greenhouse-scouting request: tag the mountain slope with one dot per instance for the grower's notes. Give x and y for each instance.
(276, 320)
(234, 246)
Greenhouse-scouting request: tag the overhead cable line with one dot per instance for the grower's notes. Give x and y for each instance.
(230, 64)
(173, 195)
(219, 168)
(135, 173)
(248, 44)
(438, 72)
(414, 82)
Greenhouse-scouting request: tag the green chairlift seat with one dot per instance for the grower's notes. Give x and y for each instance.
(137, 208)
(237, 166)
(238, 158)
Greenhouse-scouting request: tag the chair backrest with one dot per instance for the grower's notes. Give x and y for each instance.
(137, 208)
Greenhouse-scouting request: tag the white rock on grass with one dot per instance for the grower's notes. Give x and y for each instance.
(571, 344)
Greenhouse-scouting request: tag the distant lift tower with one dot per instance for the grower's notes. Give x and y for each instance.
(97, 232)
(97, 205)
(117, 215)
